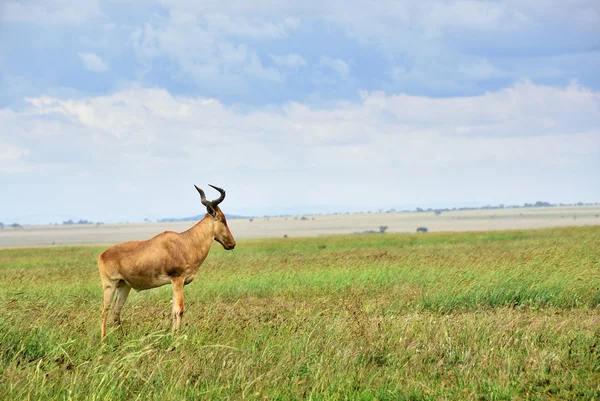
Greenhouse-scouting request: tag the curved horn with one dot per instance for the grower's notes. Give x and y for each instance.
(220, 198)
(203, 197)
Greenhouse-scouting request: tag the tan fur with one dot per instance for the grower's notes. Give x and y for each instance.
(169, 257)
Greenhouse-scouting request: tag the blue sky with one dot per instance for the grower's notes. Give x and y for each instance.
(111, 110)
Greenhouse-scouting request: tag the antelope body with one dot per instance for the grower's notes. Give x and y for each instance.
(169, 257)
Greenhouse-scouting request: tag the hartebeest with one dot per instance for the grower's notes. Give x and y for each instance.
(169, 257)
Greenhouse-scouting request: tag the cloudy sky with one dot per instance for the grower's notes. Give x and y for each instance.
(112, 110)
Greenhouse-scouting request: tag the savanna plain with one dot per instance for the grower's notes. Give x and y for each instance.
(488, 315)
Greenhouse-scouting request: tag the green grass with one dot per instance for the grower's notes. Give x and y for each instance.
(490, 316)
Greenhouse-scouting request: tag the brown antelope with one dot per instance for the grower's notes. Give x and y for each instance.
(169, 257)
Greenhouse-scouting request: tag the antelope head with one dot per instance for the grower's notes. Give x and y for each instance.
(221, 231)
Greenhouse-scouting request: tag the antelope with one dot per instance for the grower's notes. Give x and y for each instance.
(169, 257)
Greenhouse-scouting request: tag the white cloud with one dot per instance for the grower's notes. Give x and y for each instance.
(71, 12)
(519, 113)
(524, 143)
(289, 60)
(93, 62)
(205, 46)
(255, 28)
(333, 69)
(438, 17)
(393, 22)
(337, 65)
(173, 138)
(480, 70)
(432, 46)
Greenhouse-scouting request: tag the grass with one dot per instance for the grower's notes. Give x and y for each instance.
(487, 316)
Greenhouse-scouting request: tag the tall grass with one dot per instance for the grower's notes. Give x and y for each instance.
(502, 315)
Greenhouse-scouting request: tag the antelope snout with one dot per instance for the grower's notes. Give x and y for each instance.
(227, 245)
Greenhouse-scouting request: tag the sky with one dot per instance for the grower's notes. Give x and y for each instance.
(112, 110)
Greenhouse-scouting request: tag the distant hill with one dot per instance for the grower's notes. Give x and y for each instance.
(198, 217)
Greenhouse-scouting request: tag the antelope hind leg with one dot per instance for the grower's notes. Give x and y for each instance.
(109, 292)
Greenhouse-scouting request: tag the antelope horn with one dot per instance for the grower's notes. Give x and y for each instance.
(203, 197)
(220, 198)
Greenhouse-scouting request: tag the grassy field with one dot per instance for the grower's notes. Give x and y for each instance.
(490, 316)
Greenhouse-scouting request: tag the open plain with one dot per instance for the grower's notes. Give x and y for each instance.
(494, 315)
(313, 225)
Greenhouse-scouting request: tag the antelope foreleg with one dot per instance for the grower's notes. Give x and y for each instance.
(177, 284)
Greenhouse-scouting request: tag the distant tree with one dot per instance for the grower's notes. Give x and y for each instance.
(438, 212)
(422, 230)
(382, 229)
(1, 225)
(16, 225)
(68, 222)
